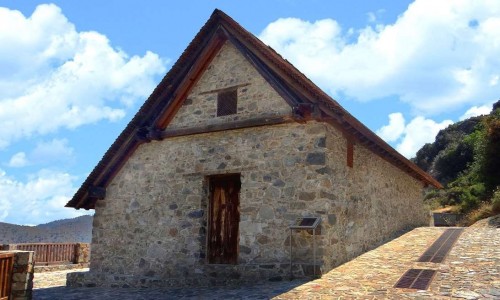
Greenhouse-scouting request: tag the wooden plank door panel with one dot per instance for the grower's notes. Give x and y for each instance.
(224, 218)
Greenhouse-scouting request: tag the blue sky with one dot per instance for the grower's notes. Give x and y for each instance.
(73, 73)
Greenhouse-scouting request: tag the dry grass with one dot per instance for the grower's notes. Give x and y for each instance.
(448, 209)
(485, 210)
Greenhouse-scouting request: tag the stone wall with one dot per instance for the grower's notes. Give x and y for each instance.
(152, 225)
(82, 253)
(154, 214)
(229, 69)
(151, 228)
(371, 202)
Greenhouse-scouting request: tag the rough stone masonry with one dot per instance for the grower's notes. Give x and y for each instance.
(151, 230)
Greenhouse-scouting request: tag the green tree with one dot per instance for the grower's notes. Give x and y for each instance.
(491, 160)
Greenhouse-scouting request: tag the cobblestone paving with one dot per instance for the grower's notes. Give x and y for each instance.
(471, 271)
(257, 291)
(53, 279)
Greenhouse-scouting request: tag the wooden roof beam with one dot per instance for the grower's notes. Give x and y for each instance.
(200, 65)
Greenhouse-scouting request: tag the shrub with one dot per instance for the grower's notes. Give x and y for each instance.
(495, 201)
(478, 190)
(469, 201)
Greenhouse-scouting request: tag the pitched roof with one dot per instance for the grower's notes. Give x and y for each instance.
(159, 108)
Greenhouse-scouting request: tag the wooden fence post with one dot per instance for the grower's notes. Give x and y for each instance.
(21, 275)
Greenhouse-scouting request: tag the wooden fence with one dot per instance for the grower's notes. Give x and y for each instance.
(6, 264)
(50, 254)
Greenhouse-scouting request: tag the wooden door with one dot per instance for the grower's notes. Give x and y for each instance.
(224, 218)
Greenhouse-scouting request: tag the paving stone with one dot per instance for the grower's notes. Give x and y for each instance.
(466, 295)
(369, 276)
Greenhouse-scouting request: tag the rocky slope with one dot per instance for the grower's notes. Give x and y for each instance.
(461, 145)
(449, 154)
(465, 159)
(491, 222)
(62, 231)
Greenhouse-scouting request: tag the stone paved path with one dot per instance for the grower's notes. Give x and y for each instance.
(53, 279)
(471, 271)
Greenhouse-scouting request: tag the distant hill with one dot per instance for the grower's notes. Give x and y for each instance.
(74, 230)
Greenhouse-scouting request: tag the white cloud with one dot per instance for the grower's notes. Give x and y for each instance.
(476, 111)
(18, 160)
(437, 56)
(419, 132)
(394, 129)
(371, 17)
(52, 151)
(52, 76)
(45, 153)
(374, 16)
(39, 200)
(409, 138)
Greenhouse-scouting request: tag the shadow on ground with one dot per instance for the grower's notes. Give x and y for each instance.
(256, 291)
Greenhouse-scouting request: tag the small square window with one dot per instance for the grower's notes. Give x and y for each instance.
(227, 103)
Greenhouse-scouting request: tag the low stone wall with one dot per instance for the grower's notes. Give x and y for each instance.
(446, 219)
(22, 275)
(82, 253)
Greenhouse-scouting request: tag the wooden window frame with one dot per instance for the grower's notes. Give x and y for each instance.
(227, 102)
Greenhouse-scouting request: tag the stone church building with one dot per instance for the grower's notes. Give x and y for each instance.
(230, 150)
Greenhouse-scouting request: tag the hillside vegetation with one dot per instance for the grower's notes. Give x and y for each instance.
(77, 230)
(465, 158)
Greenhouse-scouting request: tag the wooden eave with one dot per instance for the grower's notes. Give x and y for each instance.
(298, 91)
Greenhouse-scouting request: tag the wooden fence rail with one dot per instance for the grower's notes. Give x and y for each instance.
(6, 264)
(49, 254)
